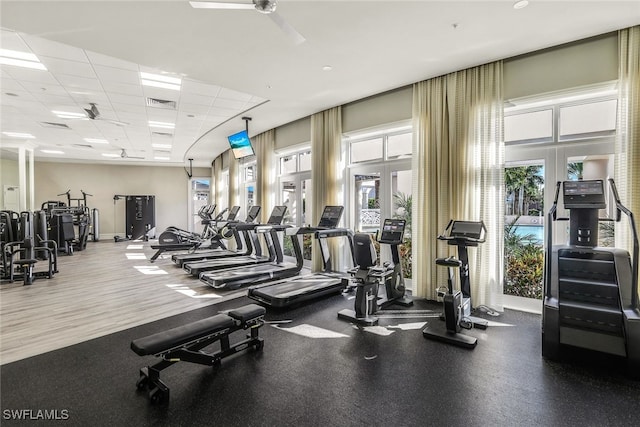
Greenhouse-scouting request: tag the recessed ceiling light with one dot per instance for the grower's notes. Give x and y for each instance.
(164, 125)
(521, 4)
(52, 151)
(327, 68)
(110, 155)
(96, 141)
(19, 135)
(161, 158)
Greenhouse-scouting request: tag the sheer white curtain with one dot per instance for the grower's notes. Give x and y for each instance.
(265, 180)
(458, 173)
(326, 178)
(216, 175)
(627, 174)
(234, 179)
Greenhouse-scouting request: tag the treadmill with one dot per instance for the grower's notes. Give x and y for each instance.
(304, 288)
(197, 268)
(247, 237)
(276, 269)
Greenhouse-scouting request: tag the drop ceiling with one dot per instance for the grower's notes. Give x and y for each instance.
(237, 63)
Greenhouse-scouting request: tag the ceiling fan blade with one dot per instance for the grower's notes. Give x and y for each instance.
(291, 32)
(220, 5)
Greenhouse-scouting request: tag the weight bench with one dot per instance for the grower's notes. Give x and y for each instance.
(173, 247)
(185, 343)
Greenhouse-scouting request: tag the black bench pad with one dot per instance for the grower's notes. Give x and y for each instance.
(163, 341)
(247, 312)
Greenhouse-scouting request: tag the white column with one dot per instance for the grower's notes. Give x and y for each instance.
(22, 177)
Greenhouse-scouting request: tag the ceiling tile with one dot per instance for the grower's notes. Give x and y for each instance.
(192, 86)
(122, 88)
(191, 98)
(63, 66)
(75, 82)
(113, 74)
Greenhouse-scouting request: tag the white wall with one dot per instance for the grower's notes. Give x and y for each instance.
(581, 63)
(8, 176)
(169, 185)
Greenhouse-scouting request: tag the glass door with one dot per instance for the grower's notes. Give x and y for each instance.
(198, 197)
(529, 171)
(295, 191)
(381, 191)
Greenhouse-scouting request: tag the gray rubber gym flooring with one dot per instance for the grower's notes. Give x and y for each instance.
(344, 376)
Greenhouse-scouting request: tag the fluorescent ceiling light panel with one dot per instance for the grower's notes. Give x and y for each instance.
(163, 125)
(23, 64)
(69, 115)
(162, 158)
(20, 59)
(158, 80)
(160, 84)
(52, 151)
(161, 146)
(220, 5)
(96, 141)
(19, 135)
(110, 155)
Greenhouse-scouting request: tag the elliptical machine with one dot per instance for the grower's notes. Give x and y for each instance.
(368, 276)
(457, 302)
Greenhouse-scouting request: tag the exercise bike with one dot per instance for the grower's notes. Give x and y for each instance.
(368, 277)
(457, 302)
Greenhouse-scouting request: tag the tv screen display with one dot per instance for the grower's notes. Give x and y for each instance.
(240, 144)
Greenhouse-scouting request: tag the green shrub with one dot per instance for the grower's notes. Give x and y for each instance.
(524, 273)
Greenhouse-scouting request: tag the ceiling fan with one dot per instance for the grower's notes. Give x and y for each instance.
(268, 7)
(94, 114)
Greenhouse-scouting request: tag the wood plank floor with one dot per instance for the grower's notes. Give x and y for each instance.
(106, 288)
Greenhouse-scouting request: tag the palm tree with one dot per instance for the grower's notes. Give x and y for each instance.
(575, 171)
(523, 185)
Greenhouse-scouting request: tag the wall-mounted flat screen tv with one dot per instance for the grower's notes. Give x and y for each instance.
(240, 144)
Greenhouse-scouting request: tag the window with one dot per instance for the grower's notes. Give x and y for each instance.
(588, 120)
(532, 126)
(380, 145)
(296, 162)
(248, 177)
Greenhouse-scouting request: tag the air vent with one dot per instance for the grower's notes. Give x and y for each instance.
(54, 125)
(162, 134)
(161, 103)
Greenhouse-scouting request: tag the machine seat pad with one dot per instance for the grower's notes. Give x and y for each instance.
(449, 262)
(172, 338)
(247, 312)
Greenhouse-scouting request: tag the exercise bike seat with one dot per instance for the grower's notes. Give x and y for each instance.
(449, 262)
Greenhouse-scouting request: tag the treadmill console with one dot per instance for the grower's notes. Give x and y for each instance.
(392, 231)
(584, 194)
(277, 215)
(470, 229)
(233, 213)
(330, 216)
(252, 214)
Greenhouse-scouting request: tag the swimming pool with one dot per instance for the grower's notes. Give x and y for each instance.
(535, 232)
